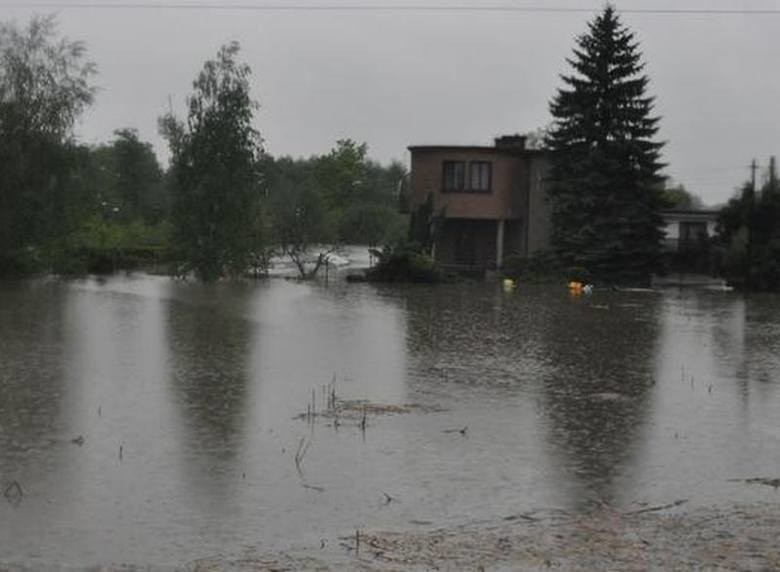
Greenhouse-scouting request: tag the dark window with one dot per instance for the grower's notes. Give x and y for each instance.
(692, 234)
(480, 176)
(454, 175)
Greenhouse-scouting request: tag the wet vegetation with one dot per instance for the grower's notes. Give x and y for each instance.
(224, 207)
(592, 405)
(747, 247)
(605, 182)
(404, 262)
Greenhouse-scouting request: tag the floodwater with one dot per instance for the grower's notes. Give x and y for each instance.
(186, 399)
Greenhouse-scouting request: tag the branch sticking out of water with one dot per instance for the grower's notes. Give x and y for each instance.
(462, 431)
(328, 403)
(303, 446)
(661, 507)
(363, 421)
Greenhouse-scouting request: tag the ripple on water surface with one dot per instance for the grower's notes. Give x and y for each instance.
(154, 421)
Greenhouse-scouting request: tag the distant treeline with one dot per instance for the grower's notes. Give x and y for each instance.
(225, 207)
(747, 246)
(66, 207)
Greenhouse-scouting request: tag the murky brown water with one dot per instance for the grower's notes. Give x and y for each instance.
(620, 398)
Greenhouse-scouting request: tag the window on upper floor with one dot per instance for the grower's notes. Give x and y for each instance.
(481, 173)
(454, 176)
(478, 179)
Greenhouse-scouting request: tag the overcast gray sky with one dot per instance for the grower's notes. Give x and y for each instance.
(415, 77)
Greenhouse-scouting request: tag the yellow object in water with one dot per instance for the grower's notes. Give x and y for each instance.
(509, 284)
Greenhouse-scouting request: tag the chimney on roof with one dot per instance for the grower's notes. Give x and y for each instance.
(511, 142)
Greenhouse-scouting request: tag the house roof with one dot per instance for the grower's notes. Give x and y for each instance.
(689, 215)
(477, 148)
(702, 212)
(452, 148)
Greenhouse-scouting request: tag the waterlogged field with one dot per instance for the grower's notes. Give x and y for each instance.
(147, 422)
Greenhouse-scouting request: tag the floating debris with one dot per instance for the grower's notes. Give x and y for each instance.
(660, 507)
(78, 440)
(13, 493)
(462, 431)
(774, 483)
(605, 540)
(313, 488)
(357, 409)
(742, 537)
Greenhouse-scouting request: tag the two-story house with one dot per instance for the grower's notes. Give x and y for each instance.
(492, 200)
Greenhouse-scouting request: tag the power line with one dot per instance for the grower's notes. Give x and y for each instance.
(454, 8)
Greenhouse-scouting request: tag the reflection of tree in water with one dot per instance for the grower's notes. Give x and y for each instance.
(763, 340)
(590, 368)
(473, 334)
(33, 346)
(595, 392)
(746, 337)
(209, 338)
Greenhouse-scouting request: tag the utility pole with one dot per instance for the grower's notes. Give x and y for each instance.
(751, 208)
(753, 169)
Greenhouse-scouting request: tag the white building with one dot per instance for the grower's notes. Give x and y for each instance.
(689, 229)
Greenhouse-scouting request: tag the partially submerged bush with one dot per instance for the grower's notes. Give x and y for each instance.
(403, 262)
(541, 267)
(20, 262)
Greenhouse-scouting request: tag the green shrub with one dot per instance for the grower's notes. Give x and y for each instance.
(21, 262)
(541, 267)
(404, 262)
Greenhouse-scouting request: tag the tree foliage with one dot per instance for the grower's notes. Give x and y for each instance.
(678, 197)
(44, 80)
(748, 236)
(127, 179)
(44, 87)
(216, 181)
(605, 187)
(222, 208)
(139, 178)
(302, 226)
(323, 201)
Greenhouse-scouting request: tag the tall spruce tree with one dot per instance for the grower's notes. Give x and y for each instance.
(605, 187)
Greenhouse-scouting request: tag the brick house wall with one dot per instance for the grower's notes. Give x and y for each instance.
(481, 226)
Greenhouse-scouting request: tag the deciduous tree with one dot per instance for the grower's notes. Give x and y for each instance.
(139, 178)
(215, 170)
(44, 88)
